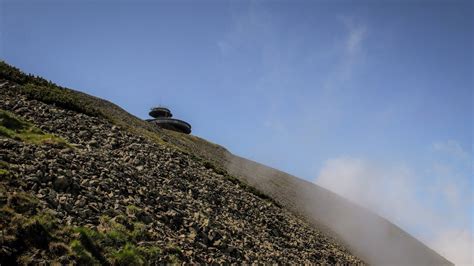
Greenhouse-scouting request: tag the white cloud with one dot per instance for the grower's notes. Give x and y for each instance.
(351, 54)
(356, 36)
(357, 33)
(250, 30)
(397, 193)
(390, 192)
(457, 245)
(451, 147)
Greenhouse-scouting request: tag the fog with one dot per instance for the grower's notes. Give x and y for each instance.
(366, 234)
(435, 211)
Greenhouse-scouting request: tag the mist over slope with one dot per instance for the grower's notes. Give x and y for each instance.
(371, 237)
(84, 182)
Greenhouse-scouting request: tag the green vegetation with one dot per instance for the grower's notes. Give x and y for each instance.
(61, 97)
(14, 74)
(22, 202)
(132, 210)
(82, 255)
(4, 165)
(16, 128)
(216, 169)
(23, 224)
(128, 255)
(27, 227)
(4, 172)
(37, 88)
(113, 231)
(115, 242)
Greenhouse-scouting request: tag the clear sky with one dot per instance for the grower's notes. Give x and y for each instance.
(371, 99)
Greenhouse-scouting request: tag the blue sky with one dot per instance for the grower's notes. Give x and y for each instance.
(337, 93)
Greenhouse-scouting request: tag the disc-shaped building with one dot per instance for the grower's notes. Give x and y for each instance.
(162, 117)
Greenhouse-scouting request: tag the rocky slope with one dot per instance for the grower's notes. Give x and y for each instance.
(80, 186)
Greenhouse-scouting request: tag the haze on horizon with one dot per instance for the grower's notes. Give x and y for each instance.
(372, 100)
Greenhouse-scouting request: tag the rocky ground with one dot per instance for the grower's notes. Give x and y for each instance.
(108, 196)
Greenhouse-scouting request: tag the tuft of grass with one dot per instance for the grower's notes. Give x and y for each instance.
(22, 202)
(6, 214)
(150, 253)
(128, 255)
(174, 259)
(114, 233)
(139, 231)
(4, 172)
(174, 254)
(47, 220)
(89, 239)
(9, 121)
(85, 232)
(34, 233)
(81, 254)
(214, 167)
(115, 243)
(4, 165)
(133, 210)
(14, 127)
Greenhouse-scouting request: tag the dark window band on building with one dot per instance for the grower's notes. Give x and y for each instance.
(162, 117)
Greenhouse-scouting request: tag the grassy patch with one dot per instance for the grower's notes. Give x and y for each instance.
(27, 228)
(133, 210)
(22, 202)
(115, 241)
(81, 254)
(216, 169)
(4, 172)
(4, 165)
(14, 127)
(46, 91)
(173, 254)
(37, 88)
(128, 255)
(61, 97)
(115, 233)
(14, 74)
(151, 252)
(24, 227)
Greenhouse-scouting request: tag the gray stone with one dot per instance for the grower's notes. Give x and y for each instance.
(62, 183)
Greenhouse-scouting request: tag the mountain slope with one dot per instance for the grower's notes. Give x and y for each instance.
(99, 186)
(370, 237)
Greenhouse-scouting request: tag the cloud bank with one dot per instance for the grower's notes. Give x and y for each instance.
(436, 210)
